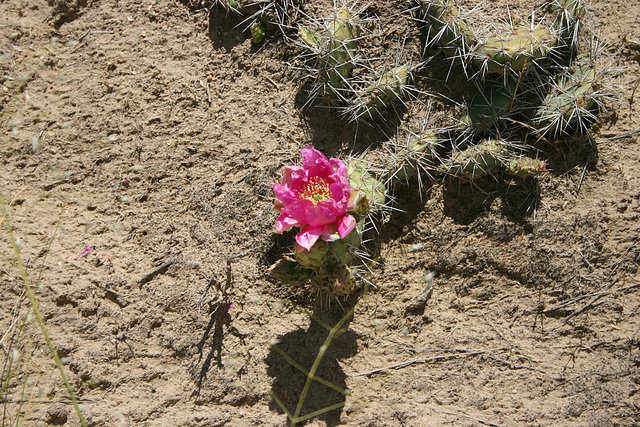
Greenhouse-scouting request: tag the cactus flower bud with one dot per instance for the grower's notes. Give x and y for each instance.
(344, 281)
(525, 166)
(313, 258)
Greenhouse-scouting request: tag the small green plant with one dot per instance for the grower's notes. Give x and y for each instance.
(295, 416)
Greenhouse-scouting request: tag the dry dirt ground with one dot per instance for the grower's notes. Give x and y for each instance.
(150, 132)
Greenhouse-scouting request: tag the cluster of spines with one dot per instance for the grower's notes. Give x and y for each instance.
(332, 46)
(379, 92)
(448, 28)
(331, 53)
(416, 156)
(262, 17)
(422, 157)
(569, 17)
(509, 48)
(531, 78)
(574, 99)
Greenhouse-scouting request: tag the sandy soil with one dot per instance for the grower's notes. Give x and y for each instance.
(151, 132)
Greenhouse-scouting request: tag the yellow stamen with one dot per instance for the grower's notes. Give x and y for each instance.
(316, 190)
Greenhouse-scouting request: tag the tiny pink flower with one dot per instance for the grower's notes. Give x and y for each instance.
(87, 250)
(314, 197)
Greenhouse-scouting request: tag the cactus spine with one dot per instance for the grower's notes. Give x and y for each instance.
(379, 95)
(571, 100)
(334, 46)
(569, 15)
(514, 50)
(448, 29)
(420, 154)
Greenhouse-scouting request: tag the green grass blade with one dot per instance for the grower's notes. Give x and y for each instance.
(38, 314)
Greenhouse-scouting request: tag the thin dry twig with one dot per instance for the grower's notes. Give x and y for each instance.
(584, 171)
(153, 273)
(481, 421)
(415, 361)
(455, 353)
(596, 297)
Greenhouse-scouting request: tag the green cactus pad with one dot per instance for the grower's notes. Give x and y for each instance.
(572, 99)
(487, 108)
(526, 166)
(343, 281)
(313, 258)
(381, 94)
(258, 32)
(421, 153)
(568, 15)
(342, 45)
(514, 50)
(341, 249)
(311, 38)
(448, 29)
(478, 160)
(369, 191)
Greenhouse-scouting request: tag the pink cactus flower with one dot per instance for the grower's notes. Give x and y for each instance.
(314, 197)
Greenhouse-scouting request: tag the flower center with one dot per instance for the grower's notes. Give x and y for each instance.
(316, 190)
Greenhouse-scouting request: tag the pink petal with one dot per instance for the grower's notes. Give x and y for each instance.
(298, 209)
(322, 169)
(339, 166)
(310, 156)
(292, 176)
(307, 237)
(284, 194)
(320, 215)
(346, 225)
(285, 222)
(340, 192)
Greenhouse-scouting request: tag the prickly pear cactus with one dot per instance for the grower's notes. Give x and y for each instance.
(532, 80)
(333, 45)
(448, 29)
(572, 101)
(569, 16)
(391, 86)
(419, 155)
(533, 84)
(514, 50)
(478, 160)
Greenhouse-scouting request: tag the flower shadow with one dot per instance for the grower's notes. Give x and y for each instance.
(302, 347)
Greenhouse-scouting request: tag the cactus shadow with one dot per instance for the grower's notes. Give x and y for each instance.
(564, 156)
(277, 246)
(412, 199)
(303, 345)
(464, 202)
(330, 132)
(224, 31)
